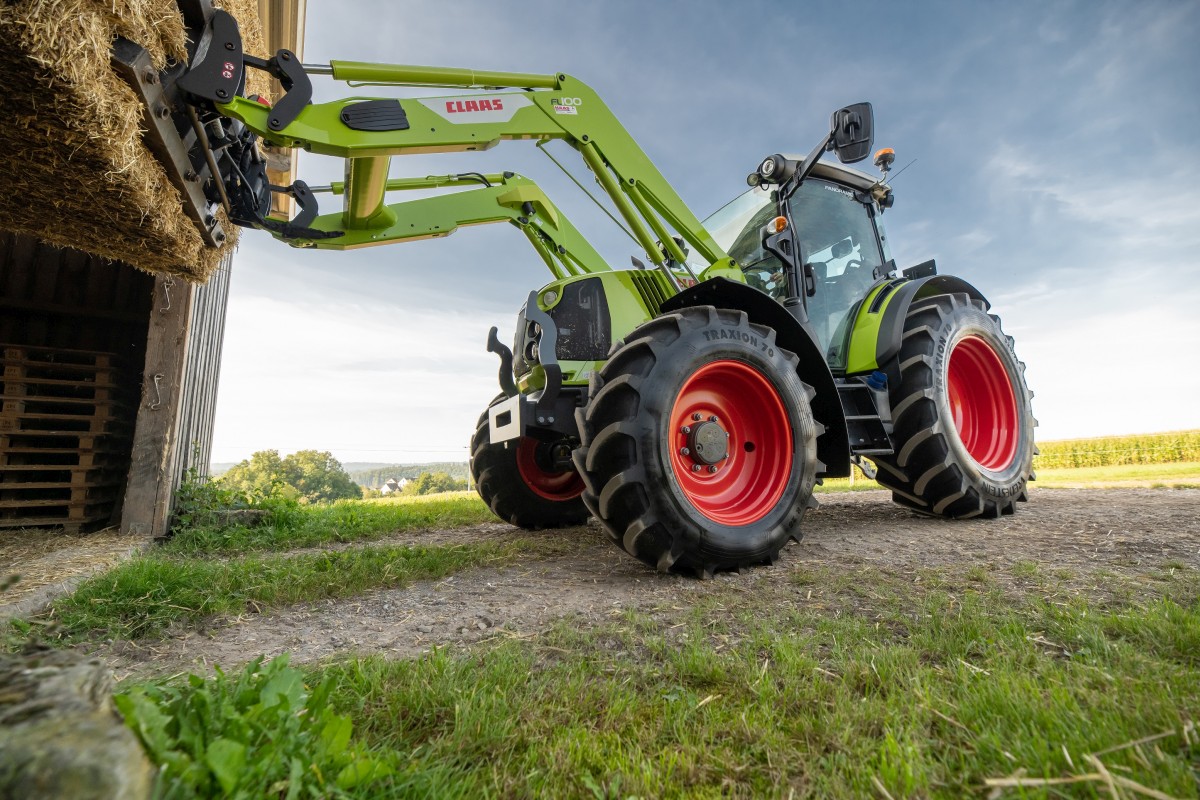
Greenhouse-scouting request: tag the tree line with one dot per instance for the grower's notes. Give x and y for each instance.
(377, 476)
(315, 476)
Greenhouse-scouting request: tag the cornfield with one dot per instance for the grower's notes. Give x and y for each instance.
(1112, 451)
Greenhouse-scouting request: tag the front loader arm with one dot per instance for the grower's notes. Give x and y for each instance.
(505, 197)
(367, 132)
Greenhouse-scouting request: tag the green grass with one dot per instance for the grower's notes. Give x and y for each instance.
(926, 689)
(928, 692)
(146, 596)
(293, 526)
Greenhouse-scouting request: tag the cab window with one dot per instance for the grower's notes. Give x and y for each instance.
(837, 237)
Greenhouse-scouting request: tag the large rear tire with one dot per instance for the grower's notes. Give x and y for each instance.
(520, 484)
(699, 446)
(962, 416)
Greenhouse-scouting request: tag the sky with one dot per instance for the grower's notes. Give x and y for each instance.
(1053, 149)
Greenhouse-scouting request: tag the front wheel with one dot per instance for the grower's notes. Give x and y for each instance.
(699, 446)
(963, 422)
(524, 482)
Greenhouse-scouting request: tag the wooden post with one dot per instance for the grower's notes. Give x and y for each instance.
(148, 491)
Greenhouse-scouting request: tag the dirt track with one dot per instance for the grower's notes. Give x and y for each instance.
(1079, 535)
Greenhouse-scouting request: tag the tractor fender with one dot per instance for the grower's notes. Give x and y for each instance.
(833, 445)
(891, 327)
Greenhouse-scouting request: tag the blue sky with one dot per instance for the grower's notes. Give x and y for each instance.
(1055, 157)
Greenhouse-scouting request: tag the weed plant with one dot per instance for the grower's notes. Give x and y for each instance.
(261, 733)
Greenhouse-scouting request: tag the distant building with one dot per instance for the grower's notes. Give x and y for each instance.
(393, 485)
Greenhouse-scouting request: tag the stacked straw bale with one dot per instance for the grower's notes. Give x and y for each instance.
(73, 169)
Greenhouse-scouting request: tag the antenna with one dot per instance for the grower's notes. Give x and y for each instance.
(906, 166)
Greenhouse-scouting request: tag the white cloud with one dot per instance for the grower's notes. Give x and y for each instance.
(1109, 374)
(298, 375)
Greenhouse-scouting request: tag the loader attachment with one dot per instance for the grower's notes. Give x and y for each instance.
(215, 161)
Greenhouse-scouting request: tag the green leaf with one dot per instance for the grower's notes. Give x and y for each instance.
(286, 687)
(143, 716)
(295, 778)
(335, 735)
(360, 771)
(226, 758)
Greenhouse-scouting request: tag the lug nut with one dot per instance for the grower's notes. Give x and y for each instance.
(695, 467)
(683, 451)
(686, 429)
(696, 416)
(713, 418)
(712, 468)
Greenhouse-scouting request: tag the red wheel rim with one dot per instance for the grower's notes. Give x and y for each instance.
(982, 403)
(558, 486)
(733, 397)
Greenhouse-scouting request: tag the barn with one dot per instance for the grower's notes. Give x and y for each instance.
(112, 295)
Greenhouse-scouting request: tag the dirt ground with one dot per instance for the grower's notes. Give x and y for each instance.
(49, 563)
(1085, 537)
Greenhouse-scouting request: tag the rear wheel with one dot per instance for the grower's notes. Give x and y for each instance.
(962, 416)
(699, 446)
(523, 480)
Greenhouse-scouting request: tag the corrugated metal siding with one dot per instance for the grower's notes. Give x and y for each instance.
(193, 443)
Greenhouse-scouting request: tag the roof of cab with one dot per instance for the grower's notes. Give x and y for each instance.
(836, 172)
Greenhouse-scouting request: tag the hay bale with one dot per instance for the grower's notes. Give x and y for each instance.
(75, 170)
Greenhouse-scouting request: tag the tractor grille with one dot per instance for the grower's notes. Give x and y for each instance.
(584, 326)
(652, 287)
(583, 322)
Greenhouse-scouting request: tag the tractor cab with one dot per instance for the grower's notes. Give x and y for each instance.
(841, 241)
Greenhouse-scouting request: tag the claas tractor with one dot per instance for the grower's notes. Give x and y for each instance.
(691, 401)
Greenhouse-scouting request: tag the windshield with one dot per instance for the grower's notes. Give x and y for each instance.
(837, 237)
(737, 225)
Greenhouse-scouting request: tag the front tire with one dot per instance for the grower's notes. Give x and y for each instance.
(519, 483)
(699, 446)
(963, 421)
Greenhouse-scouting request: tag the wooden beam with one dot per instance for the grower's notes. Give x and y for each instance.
(283, 28)
(148, 495)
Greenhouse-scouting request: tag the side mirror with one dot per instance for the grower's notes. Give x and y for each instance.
(851, 130)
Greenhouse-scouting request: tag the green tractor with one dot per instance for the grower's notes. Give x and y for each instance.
(690, 405)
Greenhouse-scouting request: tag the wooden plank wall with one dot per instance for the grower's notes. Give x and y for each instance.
(175, 422)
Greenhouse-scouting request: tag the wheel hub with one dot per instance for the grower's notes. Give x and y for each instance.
(708, 442)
